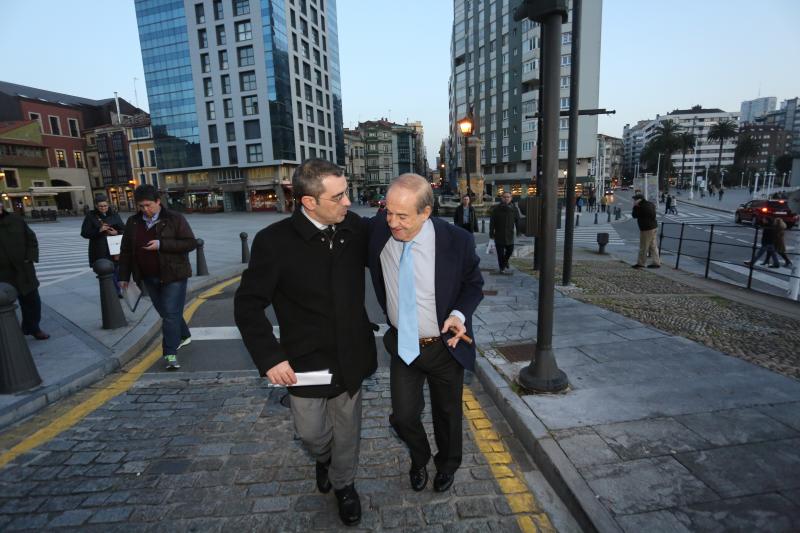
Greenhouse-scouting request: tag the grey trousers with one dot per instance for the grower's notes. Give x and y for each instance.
(330, 428)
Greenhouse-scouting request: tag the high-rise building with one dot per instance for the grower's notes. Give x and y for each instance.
(495, 71)
(240, 92)
(788, 118)
(609, 159)
(752, 109)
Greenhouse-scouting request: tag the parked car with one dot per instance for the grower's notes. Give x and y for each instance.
(771, 209)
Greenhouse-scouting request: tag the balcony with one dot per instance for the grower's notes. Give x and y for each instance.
(7, 160)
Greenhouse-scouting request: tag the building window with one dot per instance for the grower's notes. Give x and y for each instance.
(202, 38)
(210, 114)
(225, 81)
(320, 117)
(151, 156)
(312, 135)
(221, 39)
(55, 125)
(212, 134)
(154, 179)
(254, 153)
(565, 82)
(230, 131)
(563, 144)
(566, 60)
(244, 31)
(252, 129)
(566, 37)
(564, 102)
(321, 137)
(246, 57)
(73, 127)
(208, 88)
(233, 156)
(78, 159)
(11, 179)
(61, 158)
(241, 7)
(38, 118)
(250, 105)
(563, 123)
(199, 14)
(218, 12)
(309, 93)
(309, 114)
(215, 156)
(140, 158)
(247, 81)
(205, 63)
(227, 106)
(223, 59)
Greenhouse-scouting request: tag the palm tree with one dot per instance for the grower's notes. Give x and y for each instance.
(665, 142)
(722, 131)
(746, 148)
(686, 142)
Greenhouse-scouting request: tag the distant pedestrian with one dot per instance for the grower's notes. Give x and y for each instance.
(592, 202)
(437, 206)
(667, 203)
(768, 236)
(99, 224)
(155, 250)
(465, 215)
(502, 227)
(780, 243)
(19, 250)
(579, 203)
(721, 192)
(603, 203)
(645, 214)
(673, 205)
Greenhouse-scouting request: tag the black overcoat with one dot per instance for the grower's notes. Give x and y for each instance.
(503, 223)
(98, 245)
(20, 250)
(316, 286)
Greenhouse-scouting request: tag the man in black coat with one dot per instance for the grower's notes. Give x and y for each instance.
(645, 214)
(502, 227)
(310, 268)
(99, 224)
(465, 215)
(19, 250)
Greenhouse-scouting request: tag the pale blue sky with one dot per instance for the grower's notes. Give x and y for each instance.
(395, 55)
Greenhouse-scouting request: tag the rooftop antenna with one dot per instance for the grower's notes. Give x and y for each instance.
(135, 94)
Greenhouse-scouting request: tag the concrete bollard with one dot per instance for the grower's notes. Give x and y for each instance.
(110, 307)
(483, 225)
(245, 248)
(602, 241)
(577, 220)
(794, 282)
(202, 267)
(19, 371)
(595, 217)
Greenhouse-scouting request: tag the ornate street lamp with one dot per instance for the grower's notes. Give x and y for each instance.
(466, 126)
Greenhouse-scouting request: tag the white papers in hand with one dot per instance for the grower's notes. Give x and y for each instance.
(114, 244)
(317, 377)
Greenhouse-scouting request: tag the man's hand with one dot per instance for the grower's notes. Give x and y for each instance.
(151, 246)
(123, 285)
(282, 374)
(454, 325)
(110, 230)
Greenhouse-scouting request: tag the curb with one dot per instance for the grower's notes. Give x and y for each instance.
(557, 469)
(32, 401)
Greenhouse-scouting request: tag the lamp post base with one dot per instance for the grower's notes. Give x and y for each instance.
(543, 374)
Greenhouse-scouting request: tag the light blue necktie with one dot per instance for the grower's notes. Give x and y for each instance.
(407, 328)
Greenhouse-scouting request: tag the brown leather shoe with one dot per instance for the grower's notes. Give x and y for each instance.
(41, 336)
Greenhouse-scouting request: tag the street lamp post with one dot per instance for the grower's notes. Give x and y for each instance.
(705, 180)
(466, 125)
(658, 177)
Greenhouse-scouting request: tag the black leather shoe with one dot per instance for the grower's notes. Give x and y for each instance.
(442, 481)
(323, 483)
(418, 477)
(349, 505)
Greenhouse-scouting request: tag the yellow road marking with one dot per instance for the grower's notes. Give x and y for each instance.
(530, 518)
(119, 386)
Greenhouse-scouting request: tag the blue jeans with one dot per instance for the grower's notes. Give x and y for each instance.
(169, 299)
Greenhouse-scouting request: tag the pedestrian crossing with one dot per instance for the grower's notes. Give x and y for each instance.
(62, 255)
(686, 217)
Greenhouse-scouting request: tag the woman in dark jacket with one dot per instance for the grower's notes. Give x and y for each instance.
(99, 224)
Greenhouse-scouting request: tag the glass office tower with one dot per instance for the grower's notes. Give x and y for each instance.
(240, 92)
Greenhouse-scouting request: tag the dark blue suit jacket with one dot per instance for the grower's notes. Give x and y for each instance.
(458, 280)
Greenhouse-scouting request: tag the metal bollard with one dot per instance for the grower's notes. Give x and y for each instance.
(483, 225)
(595, 217)
(245, 248)
(202, 267)
(110, 308)
(19, 371)
(617, 213)
(602, 240)
(794, 284)
(577, 220)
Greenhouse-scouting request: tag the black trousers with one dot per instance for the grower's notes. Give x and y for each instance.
(467, 227)
(504, 252)
(30, 306)
(445, 377)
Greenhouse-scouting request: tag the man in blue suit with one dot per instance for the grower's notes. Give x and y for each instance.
(426, 278)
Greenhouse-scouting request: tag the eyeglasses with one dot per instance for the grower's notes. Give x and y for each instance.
(102, 206)
(336, 199)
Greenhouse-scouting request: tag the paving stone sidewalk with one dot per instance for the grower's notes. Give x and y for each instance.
(219, 455)
(658, 432)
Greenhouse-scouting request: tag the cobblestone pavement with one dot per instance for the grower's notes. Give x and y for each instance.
(213, 455)
(767, 339)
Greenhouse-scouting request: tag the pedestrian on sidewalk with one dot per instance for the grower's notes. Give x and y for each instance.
(721, 192)
(155, 250)
(19, 250)
(310, 268)
(465, 215)
(579, 203)
(427, 279)
(502, 227)
(603, 203)
(780, 242)
(667, 204)
(99, 224)
(768, 239)
(592, 202)
(645, 214)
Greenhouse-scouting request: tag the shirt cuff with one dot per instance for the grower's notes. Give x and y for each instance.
(459, 314)
(158, 245)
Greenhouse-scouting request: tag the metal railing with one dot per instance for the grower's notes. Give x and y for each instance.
(704, 249)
